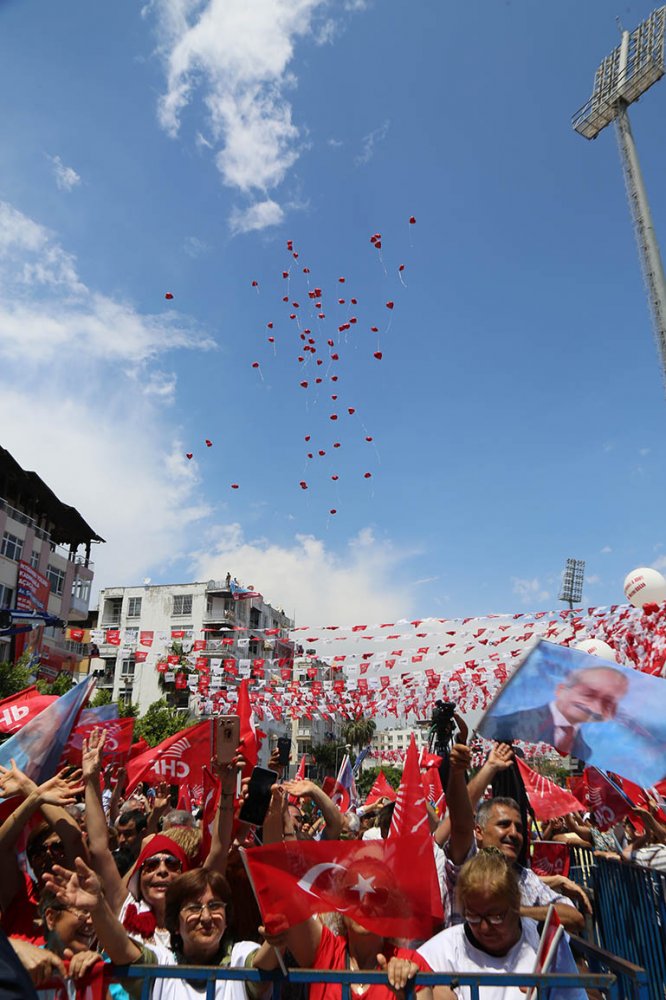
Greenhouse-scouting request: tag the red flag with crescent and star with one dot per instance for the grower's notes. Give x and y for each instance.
(387, 886)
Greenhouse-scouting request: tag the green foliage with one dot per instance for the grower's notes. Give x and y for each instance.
(61, 685)
(159, 722)
(359, 732)
(553, 769)
(102, 697)
(366, 779)
(14, 677)
(327, 756)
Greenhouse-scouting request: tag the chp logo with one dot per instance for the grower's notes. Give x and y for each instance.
(170, 764)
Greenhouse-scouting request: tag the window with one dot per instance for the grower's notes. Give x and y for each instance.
(182, 604)
(209, 604)
(34, 559)
(6, 596)
(134, 607)
(12, 547)
(56, 578)
(81, 590)
(112, 606)
(127, 669)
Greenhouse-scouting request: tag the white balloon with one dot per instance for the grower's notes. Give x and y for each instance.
(645, 586)
(597, 648)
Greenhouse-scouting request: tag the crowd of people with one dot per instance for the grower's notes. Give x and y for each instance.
(90, 876)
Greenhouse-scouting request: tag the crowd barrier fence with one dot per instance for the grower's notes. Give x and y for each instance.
(630, 909)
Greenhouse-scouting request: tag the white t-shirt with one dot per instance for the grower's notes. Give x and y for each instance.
(179, 989)
(452, 951)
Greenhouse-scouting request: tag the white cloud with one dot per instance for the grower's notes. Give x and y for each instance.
(606, 550)
(236, 56)
(659, 563)
(361, 584)
(370, 141)
(66, 178)
(529, 590)
(83, 388)
(257, 216)
(194, 247)
(593, 579)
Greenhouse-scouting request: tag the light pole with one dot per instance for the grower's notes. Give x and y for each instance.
(624, 75)
(571, 590)
(346, 748)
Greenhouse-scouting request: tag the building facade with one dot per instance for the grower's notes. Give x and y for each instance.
(390, 744)
(45, 563)
(218, 628)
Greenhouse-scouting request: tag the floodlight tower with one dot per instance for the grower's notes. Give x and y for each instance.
(571, 590)
(622, 78)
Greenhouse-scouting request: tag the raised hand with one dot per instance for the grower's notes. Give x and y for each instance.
(460, 757)
(501, 756)
(162, 796)
(301, 787)
(81, 888)
(61, 790)
(92, 752)
(13, 781)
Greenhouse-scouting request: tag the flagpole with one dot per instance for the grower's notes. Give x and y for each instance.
(277, 951)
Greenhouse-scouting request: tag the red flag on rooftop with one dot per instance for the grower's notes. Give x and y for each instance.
(546, 798)
(176, 760)
(384, 885)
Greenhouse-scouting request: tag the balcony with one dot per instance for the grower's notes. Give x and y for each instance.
(18, 515)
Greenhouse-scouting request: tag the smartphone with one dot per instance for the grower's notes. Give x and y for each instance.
(258, 799)
(226, 738)
(284, 748)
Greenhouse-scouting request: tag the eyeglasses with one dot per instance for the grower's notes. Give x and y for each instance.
(490, 918)
(193, 911)
(171, 863)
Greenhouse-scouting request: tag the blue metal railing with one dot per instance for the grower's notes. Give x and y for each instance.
(616, 971)
(630, 905)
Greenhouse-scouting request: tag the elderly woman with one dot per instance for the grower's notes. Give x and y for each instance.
(197, 915)
(493, 937)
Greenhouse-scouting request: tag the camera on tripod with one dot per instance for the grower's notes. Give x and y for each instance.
(441, 727)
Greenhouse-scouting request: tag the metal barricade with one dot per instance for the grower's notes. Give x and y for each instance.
(583, 863)
(630, 905)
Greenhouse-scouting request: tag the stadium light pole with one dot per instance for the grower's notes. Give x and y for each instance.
(623, 77)
(572, 582)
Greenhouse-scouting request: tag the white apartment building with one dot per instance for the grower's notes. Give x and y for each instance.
(205, 620)
(305, 732)
(390, 741)
(41, 565)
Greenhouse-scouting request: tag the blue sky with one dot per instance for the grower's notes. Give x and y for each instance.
(517, 411)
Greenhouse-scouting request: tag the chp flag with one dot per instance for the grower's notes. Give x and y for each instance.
(177, 760)
(388, 886)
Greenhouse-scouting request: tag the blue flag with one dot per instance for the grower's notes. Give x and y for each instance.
(38, 747)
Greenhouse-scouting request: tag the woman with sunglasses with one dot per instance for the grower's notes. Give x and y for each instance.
(198, 917)
(493, 937)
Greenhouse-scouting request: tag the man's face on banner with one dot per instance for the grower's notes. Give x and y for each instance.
(591, 695)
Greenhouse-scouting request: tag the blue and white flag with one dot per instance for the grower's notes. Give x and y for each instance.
(38, 747)
(361, 757)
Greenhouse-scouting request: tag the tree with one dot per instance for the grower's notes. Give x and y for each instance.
(15, 677)
(366, 779)
(160, 722)
(125, 709)
(359, 732)
(61, 685)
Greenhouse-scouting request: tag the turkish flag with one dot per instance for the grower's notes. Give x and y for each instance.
(337, 793)
(546, 798)
(384, 885)
(20, 708)
(177, 760)
(550, 858)
(117, 745)
(380, 789)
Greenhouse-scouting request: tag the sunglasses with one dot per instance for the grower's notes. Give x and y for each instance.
(171, 863)
(490, 918)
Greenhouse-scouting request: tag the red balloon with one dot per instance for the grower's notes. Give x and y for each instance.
(319, 361)
(367, 475)
(310, 455)
(341, 280)
(306, 270)
(352, 319)
(270, 326)
(368, 439)
(341, 302)
(307, 437)
(378, 245)
(303, 484)
(318, 381)
(334, 396)
(412, 220)
(335, 477)
(290, 245)
(301, 358)
(378, 355)
(332, 510)
(295, 305)
(169, 295)
(311, 340)
(304, 385)
(402, 267)
(334, 378)
(295, 255)
(255, 364)
(317, 292)
(335, 357)
(285, 274)
(375, 329)
(330, 343)
(188, 455)
(389, 305)
(307, 331)
(336, 444)
(322, 453)
(209, 444)
(333, 416)
(302, 336)
(271, 340)
(234, 486)
(354, 302)
(321, 315)
(285, 298)
(350, 410)
(292, 315)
